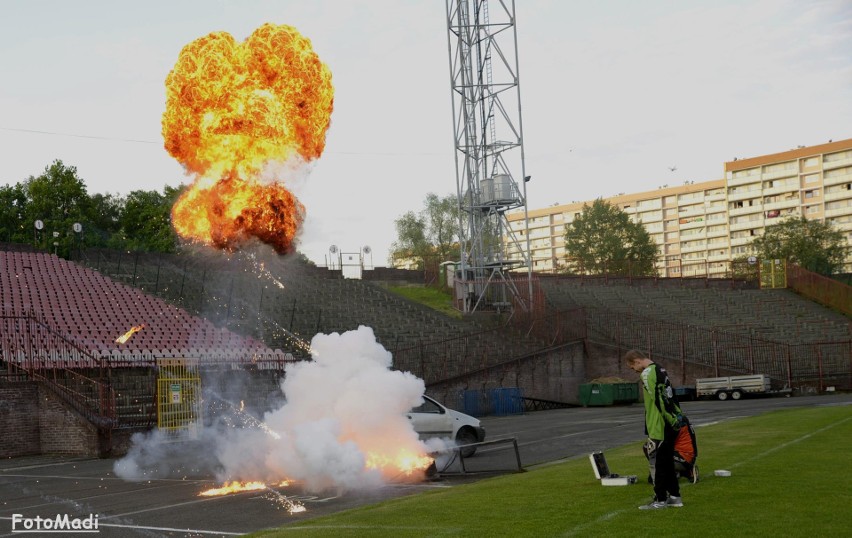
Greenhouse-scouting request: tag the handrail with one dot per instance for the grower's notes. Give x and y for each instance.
(97, 403)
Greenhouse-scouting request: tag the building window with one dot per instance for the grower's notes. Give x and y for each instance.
(812, 178)
(811, 193)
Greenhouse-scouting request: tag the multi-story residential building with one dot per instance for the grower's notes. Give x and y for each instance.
(700, 227)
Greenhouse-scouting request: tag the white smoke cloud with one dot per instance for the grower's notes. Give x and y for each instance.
(341, 409)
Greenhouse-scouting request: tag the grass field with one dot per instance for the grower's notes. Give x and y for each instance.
(790, 477)
(434, 298)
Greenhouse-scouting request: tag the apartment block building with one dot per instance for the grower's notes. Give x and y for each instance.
(700, 227)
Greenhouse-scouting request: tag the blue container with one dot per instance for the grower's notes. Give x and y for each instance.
(507, 401)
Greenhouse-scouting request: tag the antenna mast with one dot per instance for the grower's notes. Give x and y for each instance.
(488, 136)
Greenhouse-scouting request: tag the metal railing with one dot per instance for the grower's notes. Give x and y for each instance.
(816, 364)
(32, 349)
(824, 290)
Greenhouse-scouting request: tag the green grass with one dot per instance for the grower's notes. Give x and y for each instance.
(790, 477)
(434, 298)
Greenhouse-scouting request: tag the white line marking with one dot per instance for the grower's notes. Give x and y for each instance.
(610, 515)
(794, 441)
(584, 526)
(143, 527)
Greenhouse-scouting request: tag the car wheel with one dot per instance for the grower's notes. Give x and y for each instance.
(722, 395)
(465, 436)
(736, 395)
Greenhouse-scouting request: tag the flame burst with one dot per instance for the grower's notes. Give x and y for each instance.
(234, 109)
(405, 462)
(233, 487)
(291, 505)
(126, 336)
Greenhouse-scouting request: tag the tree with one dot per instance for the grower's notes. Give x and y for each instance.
(59, 199)
(811, 244)
(13, 208)
(146, 221)
(103, 221)
(603, 240)
(430, 233)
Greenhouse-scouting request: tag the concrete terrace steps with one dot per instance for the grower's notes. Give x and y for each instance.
(288, 299)
(774, 314)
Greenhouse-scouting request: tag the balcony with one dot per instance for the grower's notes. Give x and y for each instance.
(718, 257)
(699, 235)
(837, 180)
(739, 241)
(745, 180)
(746, 225)
(690, 210)
(698, 222)
(836, 164)
(837, 212)
(757, 208)
(686, 249)
(838, 195)
(785, 172)
(783, 204)
(715, 197)
(744, 195)
(781, 189)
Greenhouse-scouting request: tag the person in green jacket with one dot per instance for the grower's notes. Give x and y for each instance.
(663, 420)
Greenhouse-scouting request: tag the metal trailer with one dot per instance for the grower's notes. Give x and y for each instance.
(733, 387)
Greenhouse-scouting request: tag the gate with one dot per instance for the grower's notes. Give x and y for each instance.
(179, 398)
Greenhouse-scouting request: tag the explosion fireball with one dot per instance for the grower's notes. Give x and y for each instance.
(232, 111)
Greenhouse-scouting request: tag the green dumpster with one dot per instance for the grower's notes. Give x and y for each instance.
(625, 392)
(608, 393)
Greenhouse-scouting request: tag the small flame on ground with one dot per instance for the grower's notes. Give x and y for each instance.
(126, 336)
(233, 487)
(291, 505)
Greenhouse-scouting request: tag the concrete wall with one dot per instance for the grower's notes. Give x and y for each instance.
(607, 361)
(554, 376)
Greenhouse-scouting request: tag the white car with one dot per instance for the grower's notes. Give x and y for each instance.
(431, 419)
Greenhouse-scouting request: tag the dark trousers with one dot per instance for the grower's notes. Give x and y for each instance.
(662, 465)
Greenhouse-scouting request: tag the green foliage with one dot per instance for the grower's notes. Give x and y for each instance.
(743, 270)
(146, 222)
(811, 244)
(58, 197)
(437, 299)
(104, 220)
(780, 463)
(430, 233)
(14, 227)
(603, 240)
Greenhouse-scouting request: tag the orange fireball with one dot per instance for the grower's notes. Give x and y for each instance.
(234, 109)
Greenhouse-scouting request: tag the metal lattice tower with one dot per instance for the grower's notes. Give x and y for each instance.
(488, 137)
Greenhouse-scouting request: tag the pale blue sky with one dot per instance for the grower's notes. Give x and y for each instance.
(630, 88)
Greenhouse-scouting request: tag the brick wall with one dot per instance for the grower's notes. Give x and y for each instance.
(63, 431)
(19, 419)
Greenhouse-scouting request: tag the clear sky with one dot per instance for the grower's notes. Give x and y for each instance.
(614, 93)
